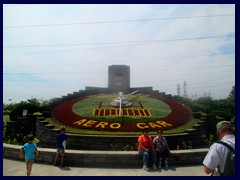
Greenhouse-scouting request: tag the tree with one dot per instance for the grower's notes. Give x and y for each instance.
(231, 100)
(31, 105)
(232, 94)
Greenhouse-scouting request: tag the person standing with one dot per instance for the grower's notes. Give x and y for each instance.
(146, 149)
(30, 149)
(215, 159)
(62, 139)
(161, 148)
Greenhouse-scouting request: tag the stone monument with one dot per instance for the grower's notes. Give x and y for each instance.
(119, 78)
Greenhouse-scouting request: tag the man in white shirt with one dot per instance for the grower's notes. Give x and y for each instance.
(216, 156)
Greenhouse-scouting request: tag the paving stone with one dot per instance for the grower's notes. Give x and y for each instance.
(18, 168)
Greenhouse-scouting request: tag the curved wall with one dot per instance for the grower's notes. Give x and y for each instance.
(106, 158)
(46, 133)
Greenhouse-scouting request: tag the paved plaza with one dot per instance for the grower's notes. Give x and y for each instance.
(18, 168)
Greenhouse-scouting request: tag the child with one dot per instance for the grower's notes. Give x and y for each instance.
(61, 145)
(29, 149)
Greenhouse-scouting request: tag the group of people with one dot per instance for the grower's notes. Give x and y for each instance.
(154, 151)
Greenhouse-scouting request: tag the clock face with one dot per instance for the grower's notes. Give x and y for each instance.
(104, 112)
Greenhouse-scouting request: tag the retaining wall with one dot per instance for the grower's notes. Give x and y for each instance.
(122, 159)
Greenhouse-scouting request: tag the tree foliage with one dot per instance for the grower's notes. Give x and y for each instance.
(31, 105)
(222, 107)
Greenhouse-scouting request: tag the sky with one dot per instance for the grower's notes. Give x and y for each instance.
(51, 50)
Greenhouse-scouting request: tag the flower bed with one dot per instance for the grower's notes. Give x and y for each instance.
(179, 115)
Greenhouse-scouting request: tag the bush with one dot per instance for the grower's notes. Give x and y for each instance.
(223, 114)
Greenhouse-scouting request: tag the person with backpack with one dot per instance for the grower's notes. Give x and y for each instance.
(220, 159)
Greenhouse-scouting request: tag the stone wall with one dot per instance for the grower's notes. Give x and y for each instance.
(106, 158)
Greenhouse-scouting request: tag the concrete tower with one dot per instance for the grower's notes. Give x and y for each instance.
(119, 78)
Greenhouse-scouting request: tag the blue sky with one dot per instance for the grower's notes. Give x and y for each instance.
(52, 50)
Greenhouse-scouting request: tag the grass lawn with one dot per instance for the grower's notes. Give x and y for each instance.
(157, 108)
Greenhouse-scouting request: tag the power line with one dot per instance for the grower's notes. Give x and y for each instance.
(131, 44)
(118, 21)
(170, 87)
(122, 61)
(124, 42)
(181, 73)
(152, 70)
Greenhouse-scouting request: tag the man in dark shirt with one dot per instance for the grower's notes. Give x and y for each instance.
(61, 145)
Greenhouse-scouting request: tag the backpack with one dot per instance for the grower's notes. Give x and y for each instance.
(229, 167)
